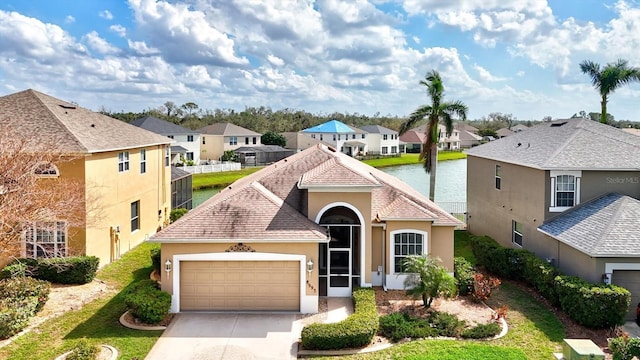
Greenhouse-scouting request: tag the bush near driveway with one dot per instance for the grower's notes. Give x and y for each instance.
(355, 331)
(20, 299)
(147, 302)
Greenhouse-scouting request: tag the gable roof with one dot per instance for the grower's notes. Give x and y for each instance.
(413, 137)
(603, 227)
(504, 132)
(466, 135)
(269, 205)
(71, 128)
(519, 127)
(161, 127)
(331, 126)
(377, 129)
(462, 125)
(573, 144)
(227, 129)
(299, 140)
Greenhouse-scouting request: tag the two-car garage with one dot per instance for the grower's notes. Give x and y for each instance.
(630, 280)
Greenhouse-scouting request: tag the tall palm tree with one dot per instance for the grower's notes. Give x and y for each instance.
(608, 78)
(438, 111)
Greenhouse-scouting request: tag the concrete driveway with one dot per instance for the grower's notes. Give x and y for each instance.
(229, 336)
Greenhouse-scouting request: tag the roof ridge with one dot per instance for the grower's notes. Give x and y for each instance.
(37, 94)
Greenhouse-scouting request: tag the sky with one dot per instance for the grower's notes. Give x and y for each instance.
(518, 57)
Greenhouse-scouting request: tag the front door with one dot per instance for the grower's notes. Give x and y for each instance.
(339, 273)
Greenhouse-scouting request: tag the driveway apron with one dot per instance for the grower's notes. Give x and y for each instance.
(229, 336)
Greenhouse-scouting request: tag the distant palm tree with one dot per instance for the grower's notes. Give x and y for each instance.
(608, 78)
(438, 111)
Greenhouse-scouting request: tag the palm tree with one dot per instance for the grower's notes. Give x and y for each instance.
(438, 111)
(608, 78)
(427, 279)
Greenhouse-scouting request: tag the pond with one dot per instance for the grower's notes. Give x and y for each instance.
(451, 181)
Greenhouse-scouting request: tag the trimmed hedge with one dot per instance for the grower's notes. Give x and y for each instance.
(84, 351)
(482, 331)
(69, 270)
(21, 288)
(355, 331)
(592, 305)
(147, 302)
(463, 271)
(20, 268)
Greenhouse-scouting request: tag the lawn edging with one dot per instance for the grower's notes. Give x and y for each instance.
(125, 323)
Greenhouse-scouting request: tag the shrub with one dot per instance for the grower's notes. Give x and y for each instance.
(156, 260)
(355, 331)
(483, 285)
(427, 279)
(177, 214)
(15, 315)
(463, 272)
(624, 348)
(481, 331)
(69, 270)
(505, 262)
(84, 351)
(19, 268)
(22, 288)
(147, 303)
(446, 324)
(540, 274)
(592, 305)
(398, 326)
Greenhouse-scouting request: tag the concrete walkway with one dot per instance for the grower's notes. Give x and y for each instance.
(338, 309)
(632, 328)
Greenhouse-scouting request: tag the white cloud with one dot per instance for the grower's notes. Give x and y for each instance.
(69, 19)
(275, 61)
(141, 48)
(99, 44)
(485, 75)
(106, 14)
(119, 29)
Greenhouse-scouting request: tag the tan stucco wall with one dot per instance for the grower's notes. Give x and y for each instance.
(310, 250)
(112, 193)
(596, 183)
(376, 247)
(359, 200)
(441, 245)
(521, 198)
(213, 147)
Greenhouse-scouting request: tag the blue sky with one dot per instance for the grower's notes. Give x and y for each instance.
(510, 56)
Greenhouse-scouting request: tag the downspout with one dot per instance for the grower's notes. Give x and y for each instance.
(384, 257)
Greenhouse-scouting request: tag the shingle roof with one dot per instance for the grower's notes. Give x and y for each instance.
(377, 129)
(466, 135)
(161, 127)
(70, 127)
(578, 144)
(227, 129)
(260, 148)
(270, 202)
(604, 227)
(331, 126)
(413, 137)
(177, 174)
(504, 132)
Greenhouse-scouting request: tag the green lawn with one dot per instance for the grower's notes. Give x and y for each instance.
(462, 246)
(97, 321)
(220, 179)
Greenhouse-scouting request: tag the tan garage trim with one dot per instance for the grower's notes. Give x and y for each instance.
(240, 285)
(630, 280)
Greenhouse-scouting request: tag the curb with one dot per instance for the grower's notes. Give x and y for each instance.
(114, 352)
(129, 325)
(303, 353)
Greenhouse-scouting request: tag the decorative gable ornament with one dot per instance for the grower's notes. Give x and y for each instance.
(240, 247)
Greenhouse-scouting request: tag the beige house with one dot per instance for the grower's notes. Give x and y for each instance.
(318, 223)
(414, 139)
(220, 137)
(124, 171)
(566, 190)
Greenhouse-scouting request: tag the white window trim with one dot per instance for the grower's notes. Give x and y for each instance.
(513, 233)
(167, 156)
(137, 217)
(553, 174)
(498, 175)
(124, 161)
(143, 161)
(32, 242)
(395, 280)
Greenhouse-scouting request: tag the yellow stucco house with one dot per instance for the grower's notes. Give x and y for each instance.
(124, 171)
(220, 137)
(317, 223)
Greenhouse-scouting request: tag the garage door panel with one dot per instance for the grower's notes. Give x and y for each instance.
(630, 280)
(240, 285)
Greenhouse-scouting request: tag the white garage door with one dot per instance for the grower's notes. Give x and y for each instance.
(630, 280)
(240, 285)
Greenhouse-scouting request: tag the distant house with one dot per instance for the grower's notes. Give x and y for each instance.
(463, 125)
(567, 190)
(414, 139)
(633, 131)
(261, 155)
(381, 140)
(469, 139)
(298, 141)
(349, 140)
(220, 137)
(187, 142)
(124, 169)
(519, 127)
(181, 189)
(504, 132)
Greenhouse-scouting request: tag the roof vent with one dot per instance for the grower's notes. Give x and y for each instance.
(67, 106)
(558, 124)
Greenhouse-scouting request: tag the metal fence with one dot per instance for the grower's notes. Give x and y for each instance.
(456, 208)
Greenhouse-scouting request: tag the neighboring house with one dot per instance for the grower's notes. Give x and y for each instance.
(382, 141)
(187, 142)
(181, 189)
(468, 139)
(504, 132)
(519, 127)
(298, 141)
(125, 171)
(220, 137)
(346, 139)
(414, 139)
(318, 223)
(261, 155)
(463, 125)
(633, 131)
(566, 190)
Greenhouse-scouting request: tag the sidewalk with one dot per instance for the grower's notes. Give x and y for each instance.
(338, 309)
(632, 328)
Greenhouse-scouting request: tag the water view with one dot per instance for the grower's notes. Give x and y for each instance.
(451, 181)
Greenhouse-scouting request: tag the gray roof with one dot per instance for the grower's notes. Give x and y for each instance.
(573, 144)
(177, 149)
(604, 227)
(161, 127)
(261, 148)
(377, 129)
(227, 129)
(177, 174)
(71, 128)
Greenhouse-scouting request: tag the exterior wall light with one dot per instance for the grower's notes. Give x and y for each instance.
(606, 278)
(167, 266)
(309, 266)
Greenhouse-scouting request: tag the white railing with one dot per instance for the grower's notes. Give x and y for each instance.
(219, 167)
(456, 208)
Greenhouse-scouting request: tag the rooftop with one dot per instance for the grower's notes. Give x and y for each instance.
(331, 126)
(161, 127)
